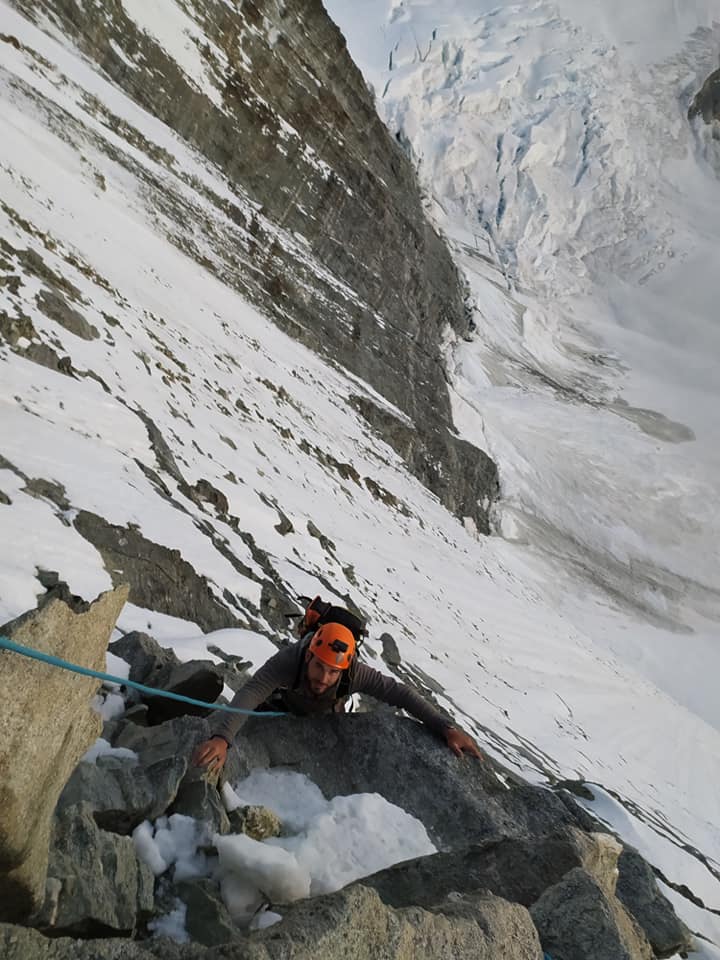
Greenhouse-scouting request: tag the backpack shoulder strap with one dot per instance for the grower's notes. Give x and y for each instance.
(346, 680)
(301, 650)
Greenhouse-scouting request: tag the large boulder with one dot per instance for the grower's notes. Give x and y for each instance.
(48, 724)
(355, 924)
(637, 889)
(122, 793)
(177, 738)
(147, 659)
(96, 885)
(24, 943)
(579, 920)
(402, 760)
(157, 667)
(207, 920)
(197, 679)
(517, 869)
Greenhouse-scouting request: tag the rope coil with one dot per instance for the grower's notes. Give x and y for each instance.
(7, 644)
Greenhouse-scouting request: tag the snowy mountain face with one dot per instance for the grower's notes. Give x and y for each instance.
(238, 363)
(298, 233)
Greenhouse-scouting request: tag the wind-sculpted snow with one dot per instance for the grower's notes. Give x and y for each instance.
(189, 387)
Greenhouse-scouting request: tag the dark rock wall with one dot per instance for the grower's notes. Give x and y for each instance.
(328, 234)
(706, 102)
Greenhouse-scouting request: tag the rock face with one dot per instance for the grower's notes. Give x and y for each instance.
(122, 793)
(207, 920)
(578, 920)
(159, 578)
(405, 762)
(518, 867)
(707, 101)
(354, 923)
(46, 717)
(638, 891)
(96, 885)
(328, 233)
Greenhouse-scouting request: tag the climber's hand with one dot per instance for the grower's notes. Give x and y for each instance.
(211, 753)
(460, 742)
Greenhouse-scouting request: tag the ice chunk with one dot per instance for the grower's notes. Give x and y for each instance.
(173, 840)
(102, 748)
(178, 838)
(146, 848)
(271, 869)
(109, 707)
(264, 919)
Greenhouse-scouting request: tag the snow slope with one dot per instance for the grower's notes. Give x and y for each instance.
(525, 650)
(553, 144)
(559, 158)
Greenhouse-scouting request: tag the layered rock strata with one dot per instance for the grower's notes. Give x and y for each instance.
(326, 230)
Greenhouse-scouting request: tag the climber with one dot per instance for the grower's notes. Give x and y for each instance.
(317, 677)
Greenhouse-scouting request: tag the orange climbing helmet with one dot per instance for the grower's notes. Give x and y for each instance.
(334, 644)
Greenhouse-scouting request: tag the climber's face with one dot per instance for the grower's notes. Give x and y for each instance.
(320, 676)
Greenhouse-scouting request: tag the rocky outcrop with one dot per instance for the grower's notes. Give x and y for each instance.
(637, 889)
(518, 866)
(353, 924)
(121, 794)
(706, 102)
(605, 932)
(95, 884)
(326, 231)
(405, 762)
(147, 659)
(158, 577)
(516, 869)
(24, 943)
(47, 726)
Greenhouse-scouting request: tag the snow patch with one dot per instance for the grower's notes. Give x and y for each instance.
(102, 748)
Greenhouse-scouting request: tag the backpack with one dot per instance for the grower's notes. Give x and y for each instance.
(318, 612)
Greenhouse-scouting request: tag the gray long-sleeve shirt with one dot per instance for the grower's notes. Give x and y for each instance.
(280, 673)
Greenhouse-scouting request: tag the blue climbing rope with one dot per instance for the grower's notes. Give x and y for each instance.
(7, 644)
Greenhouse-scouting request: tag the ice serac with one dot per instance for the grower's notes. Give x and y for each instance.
(338, 249)
(47, 726)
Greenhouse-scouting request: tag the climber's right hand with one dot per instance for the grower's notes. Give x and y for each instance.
(211, 753)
